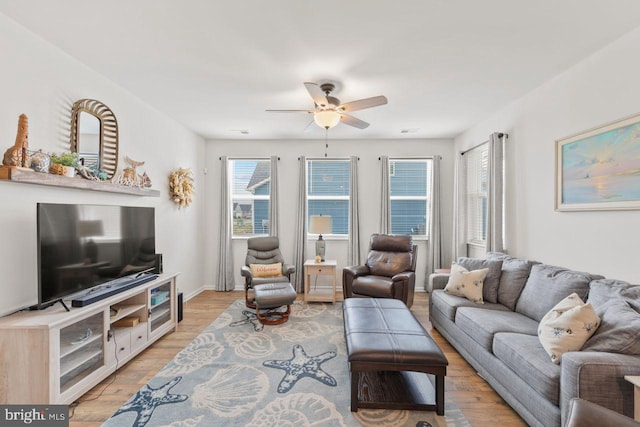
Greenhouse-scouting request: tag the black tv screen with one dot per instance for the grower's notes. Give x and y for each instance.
(83, 246)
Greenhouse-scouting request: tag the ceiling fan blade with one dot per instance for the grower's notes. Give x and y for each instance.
(291, 111)
(352, 121)
(310, 126)
(317, 94)
(361, 104)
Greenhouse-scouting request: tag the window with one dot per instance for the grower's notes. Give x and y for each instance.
(328, 192)
(476, 162)
(250, 191)
(409, 183)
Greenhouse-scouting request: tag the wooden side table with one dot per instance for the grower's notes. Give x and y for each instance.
(325, 268)
(636, 395)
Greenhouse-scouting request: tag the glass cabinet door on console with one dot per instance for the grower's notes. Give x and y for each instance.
(81, 350)
(161, 307)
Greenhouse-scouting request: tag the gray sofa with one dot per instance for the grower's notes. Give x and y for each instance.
(499, 338)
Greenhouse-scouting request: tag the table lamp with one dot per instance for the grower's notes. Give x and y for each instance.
(319, 224)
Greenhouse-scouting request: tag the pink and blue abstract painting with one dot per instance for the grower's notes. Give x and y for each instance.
(602, 168)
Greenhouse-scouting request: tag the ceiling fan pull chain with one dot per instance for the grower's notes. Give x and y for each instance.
(326, 142)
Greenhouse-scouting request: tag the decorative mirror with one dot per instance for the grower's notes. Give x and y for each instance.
(94, 135)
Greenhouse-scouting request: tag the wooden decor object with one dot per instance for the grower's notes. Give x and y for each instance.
(108, 132)
(18, 154)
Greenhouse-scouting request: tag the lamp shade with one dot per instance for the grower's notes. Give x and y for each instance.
(326, 119)
(319, 224)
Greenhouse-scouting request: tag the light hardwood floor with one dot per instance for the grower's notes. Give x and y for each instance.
(480, 404)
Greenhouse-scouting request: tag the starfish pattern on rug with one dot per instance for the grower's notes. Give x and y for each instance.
(147, 399)
(249, 319)
(302, 365)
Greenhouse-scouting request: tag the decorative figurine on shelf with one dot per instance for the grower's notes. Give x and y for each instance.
(129, 176)
(18, 154)
(181, 188)
(40, 161)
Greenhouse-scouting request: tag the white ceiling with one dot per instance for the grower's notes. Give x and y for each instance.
(216, 66)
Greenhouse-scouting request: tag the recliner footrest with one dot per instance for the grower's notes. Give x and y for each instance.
(269, 297)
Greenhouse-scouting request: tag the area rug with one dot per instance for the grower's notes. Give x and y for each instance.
(238, 372)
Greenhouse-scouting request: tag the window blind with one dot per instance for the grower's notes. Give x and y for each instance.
(409, 183)
(250, 194)
(476, 163)
(328, 192)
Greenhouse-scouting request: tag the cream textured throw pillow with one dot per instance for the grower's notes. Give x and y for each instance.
(266, 270)
(465, 283)
(567, 326)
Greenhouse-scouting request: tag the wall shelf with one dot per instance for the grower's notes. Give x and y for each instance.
(29, 176)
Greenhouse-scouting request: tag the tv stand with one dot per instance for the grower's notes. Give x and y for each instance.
(54, 356)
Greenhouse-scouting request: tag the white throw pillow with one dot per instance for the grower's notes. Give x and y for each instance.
(567, 326)
(465, 283)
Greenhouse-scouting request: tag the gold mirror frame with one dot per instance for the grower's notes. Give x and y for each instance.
(108, 154)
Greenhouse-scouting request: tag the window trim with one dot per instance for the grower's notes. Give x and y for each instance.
(478, 196)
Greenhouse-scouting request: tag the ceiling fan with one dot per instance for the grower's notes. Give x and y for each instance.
(329, 111)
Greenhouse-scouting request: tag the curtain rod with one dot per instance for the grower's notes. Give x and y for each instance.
(248, 158)
(412, 158)
(500, 135)
(328, 158)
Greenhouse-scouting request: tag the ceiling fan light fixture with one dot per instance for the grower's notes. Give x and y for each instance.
(326, 119)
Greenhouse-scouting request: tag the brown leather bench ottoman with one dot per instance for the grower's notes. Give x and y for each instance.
(390, 355)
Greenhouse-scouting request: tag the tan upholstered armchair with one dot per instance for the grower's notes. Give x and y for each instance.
(263, 252)
(388, 273)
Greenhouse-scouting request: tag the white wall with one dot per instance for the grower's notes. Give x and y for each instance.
(43, 82)
(602, 88)
(369, 180)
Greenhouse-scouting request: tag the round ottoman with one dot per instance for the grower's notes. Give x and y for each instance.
(269, 297)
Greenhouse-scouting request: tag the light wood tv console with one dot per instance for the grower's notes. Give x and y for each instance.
(54, 356)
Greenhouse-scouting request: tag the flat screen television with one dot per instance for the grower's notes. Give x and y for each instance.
(85, 246)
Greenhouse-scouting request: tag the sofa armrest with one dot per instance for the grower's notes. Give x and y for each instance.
(599, 378)
(437, 281)
(583, 413)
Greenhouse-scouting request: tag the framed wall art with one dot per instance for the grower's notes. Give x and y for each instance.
(599, 169)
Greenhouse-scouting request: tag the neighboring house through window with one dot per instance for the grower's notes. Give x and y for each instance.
(328, 192)
(409, 183)
(250, 191)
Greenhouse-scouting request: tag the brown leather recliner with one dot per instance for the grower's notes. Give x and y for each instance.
(388, 273)
(583, 413)
(263, 250)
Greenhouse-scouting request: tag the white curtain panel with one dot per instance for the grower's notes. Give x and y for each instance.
(300, 247)
(459, 246)
(385, 204)
(226, 279)
(274, 219)
(434, 257)
(495, 193)
(353, 253)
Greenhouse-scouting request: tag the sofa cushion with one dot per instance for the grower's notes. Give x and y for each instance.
(481, 325)
(567, 326)
(465, 283)
(491, 281)
(447, 304)
(515, 272)
(524, 355)
(603, 290)
(547, 285)
(619, 330)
